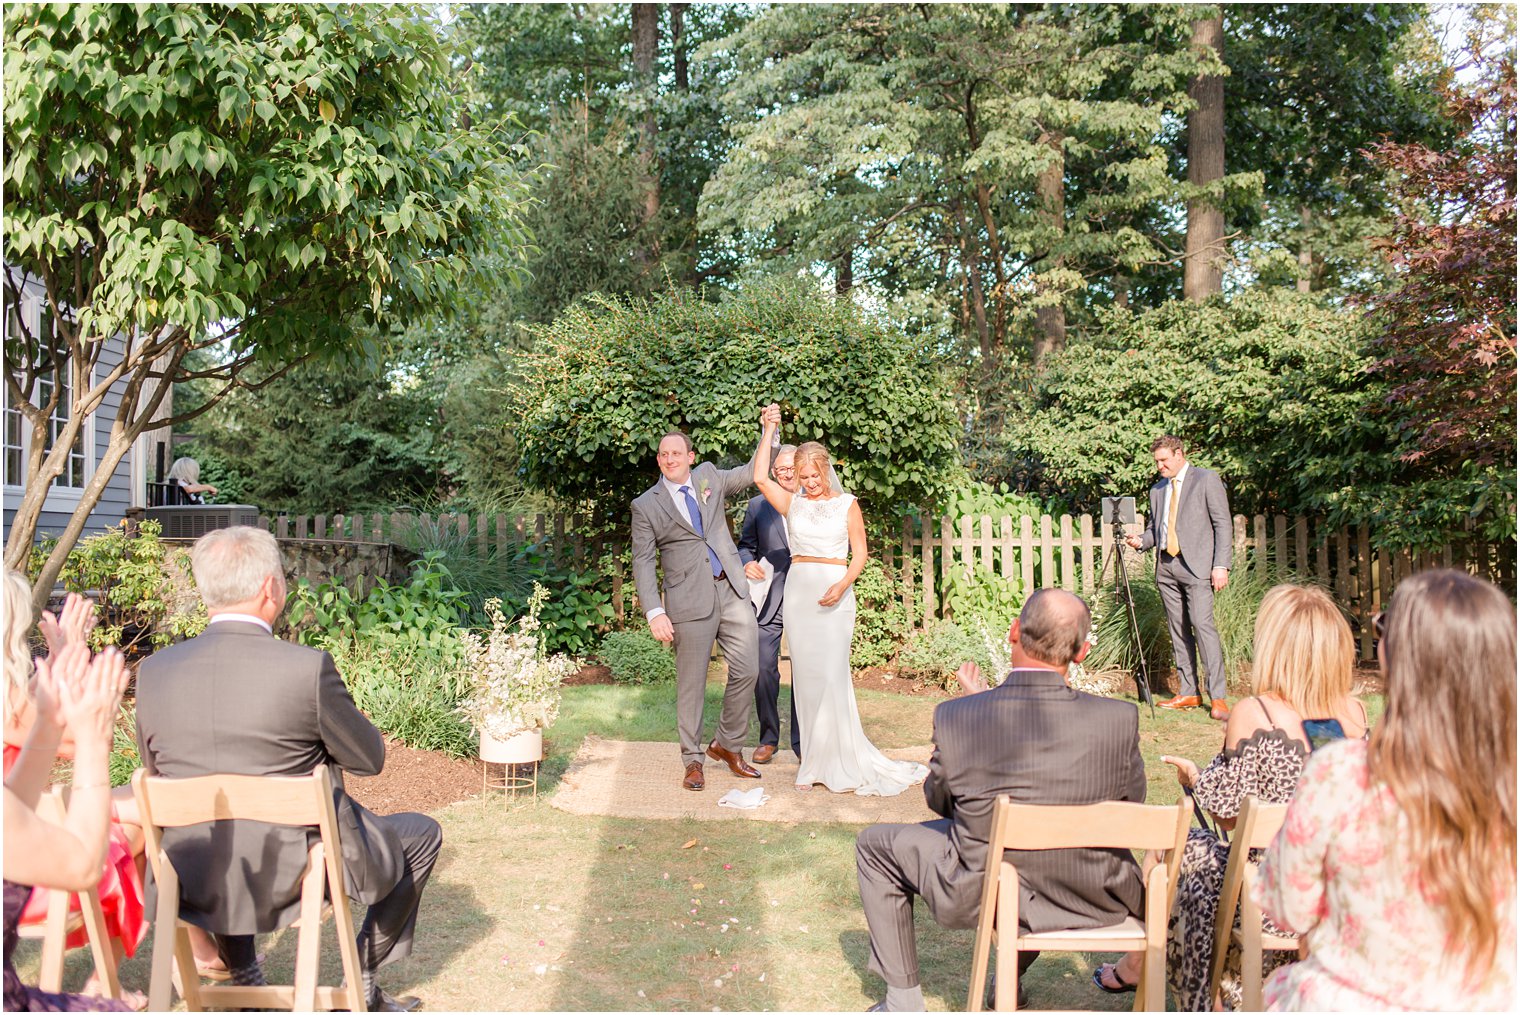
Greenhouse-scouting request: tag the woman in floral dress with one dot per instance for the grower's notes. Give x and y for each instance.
(1397, 858)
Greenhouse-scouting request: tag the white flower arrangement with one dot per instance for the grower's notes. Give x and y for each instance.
(515, 682)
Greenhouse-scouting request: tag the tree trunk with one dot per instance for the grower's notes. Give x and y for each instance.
(678, 44)
(1121, 284)
(1305, 252)
(1050, 195)
(1203, 263)
(646, 45)
(970, 255)
(844, 276)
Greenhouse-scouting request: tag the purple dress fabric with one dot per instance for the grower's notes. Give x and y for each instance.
(18, 996)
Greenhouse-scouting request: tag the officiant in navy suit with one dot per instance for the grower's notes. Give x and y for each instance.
(764, 537)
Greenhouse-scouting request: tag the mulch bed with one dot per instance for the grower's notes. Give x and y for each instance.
(589, 675)
(414, 780)
(878, 678)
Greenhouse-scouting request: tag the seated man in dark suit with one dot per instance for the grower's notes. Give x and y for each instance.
(239, 701)
(1035, 740)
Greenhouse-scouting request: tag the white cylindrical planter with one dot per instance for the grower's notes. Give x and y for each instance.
(521, 749)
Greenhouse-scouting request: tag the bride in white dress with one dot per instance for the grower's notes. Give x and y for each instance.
(824, 524)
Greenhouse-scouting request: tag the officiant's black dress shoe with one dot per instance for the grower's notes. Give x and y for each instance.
(733, 759)
(387, 1003)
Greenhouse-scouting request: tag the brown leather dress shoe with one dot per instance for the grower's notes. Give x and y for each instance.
(1219, 710)
(763, 754)
(1191, 701)
(694, 777)
(733, 759)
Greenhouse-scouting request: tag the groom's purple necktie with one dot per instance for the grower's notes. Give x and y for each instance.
(695, 514)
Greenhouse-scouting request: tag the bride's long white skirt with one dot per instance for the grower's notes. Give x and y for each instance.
(835, 751)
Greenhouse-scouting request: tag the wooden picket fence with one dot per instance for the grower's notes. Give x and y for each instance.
(1065, 551)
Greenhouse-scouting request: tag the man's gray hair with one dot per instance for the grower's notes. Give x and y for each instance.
(230, 564)
(1053, 625)
(785, 449)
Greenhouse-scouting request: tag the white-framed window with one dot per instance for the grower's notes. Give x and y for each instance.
(38, 317)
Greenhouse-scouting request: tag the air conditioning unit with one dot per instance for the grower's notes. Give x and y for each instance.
(191, 521)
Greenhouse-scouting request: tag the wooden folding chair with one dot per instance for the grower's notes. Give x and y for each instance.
(1258, 825)
(277, 800)
(1114, 825)
(53, 807)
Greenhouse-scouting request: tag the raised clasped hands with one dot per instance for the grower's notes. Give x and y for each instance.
(72, 624)
(770, 416)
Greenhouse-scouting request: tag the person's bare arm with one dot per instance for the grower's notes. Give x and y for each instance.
(69, 856)
(775, 495)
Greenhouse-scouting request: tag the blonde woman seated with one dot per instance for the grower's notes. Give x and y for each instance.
(1397, 859)
(1301, 677)
(186, 474)
(71, 693)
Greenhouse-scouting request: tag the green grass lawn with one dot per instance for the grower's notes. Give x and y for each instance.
(534, 909)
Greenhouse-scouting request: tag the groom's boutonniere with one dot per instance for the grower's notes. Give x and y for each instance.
(703, 491)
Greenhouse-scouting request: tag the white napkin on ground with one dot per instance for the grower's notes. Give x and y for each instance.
(759, 588)
(744, 799)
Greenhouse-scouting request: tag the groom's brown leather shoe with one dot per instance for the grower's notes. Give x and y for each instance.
(1192, 701)
(734, 760)
(694, 777)
(763, 754)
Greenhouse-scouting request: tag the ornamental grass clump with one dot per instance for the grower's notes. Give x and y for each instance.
(516, 682)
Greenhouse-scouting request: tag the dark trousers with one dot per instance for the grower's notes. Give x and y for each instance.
(386, 934)
(1189, 606)
(768, 690)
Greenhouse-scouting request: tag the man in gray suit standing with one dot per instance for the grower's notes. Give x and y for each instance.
(1035, 740)
(239, 701)
(679, 522)
(1192, 563)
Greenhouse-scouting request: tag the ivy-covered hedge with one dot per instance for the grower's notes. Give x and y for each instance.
(611, 376)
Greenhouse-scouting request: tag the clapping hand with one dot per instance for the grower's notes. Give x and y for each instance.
(88, 696)
(73, 623)
(969, 676)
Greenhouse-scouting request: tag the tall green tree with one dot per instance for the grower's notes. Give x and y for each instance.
(290, 169)
(1310, 87)
(979, 164)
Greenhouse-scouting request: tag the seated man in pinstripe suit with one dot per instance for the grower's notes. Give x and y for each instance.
(1031, 738)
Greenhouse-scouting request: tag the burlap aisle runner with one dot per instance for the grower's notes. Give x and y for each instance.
(629, 779)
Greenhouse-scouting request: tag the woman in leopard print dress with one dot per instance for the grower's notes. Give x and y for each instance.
(1304, 660)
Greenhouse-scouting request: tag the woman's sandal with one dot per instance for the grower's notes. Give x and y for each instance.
(801, 788)
(1112, 968)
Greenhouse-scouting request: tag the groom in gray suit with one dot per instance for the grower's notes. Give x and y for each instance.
(1189, 525)
(680, 522)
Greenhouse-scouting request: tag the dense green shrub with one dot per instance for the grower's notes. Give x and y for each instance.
(610, 376)
(410, 690)
(983, 600)
(881, 619)
(423, 611)
(634, 657)
(145, 590)
(579, 608)
(399, 650)
(937, 651)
